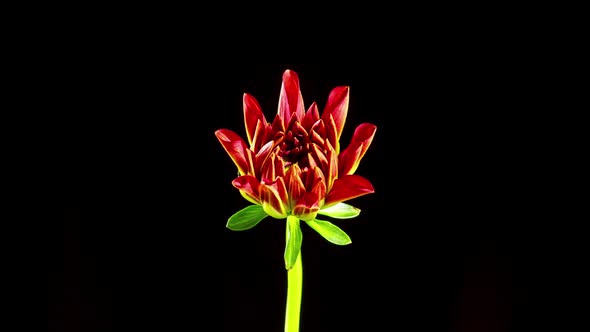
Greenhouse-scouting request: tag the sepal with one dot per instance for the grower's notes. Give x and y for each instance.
(329, 231)
(246, 218)
(340, 211)
(294, 238)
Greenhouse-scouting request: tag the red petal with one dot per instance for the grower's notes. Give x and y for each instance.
(258, 139)
(332, 171)
(277, 124)
(337, 106)
(316, 138)
(319, 189)
(274, 198)
(295, 186)
(235, 146)
(348, 187)
(307, 207)
(249, 187)
(317, 154)
(290, 99)
(318, 128)
(252, 115)
(262, 155)
(311, 177)
(350, 158)
(331, 132)
(272, 168)
(311, 116)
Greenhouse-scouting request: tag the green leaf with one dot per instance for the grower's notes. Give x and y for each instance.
(330, 231)
(340, 211)
(246, 218)
(293, 241)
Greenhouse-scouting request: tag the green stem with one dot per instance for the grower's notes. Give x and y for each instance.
(294, 283)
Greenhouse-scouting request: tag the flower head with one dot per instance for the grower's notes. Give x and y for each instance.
(293, 166)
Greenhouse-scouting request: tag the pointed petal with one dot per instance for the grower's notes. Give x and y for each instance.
(319, 187)
(311, 116)
(337, 106)
(252, 116)
(350, 158)
(274, 198)
(273, 168)
(291, 123)
(311, 177)
(319, 127)
(277, 124)
(316, 138)
(295, 186)
(317, 154)
(261, 136)
(311, 162)
(249, 187)
(307, 207)
(332, 170)
(236, 148)
(262, 155)
(290, 99)
(267, 173)
(348, 187)
(330, 132)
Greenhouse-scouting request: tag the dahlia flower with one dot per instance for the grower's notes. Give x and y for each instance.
(293, 168)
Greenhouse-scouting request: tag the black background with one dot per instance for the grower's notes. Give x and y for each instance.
(138, 191)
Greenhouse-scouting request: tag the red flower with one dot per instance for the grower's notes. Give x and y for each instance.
(293, 166)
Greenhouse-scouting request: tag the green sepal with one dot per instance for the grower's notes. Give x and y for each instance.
(340, 211)
(329, 231)
(246, 218)
(294, 238)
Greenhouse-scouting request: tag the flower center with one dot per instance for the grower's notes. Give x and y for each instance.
(294, 147)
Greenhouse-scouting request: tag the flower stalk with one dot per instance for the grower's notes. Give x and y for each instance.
(294, 290)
